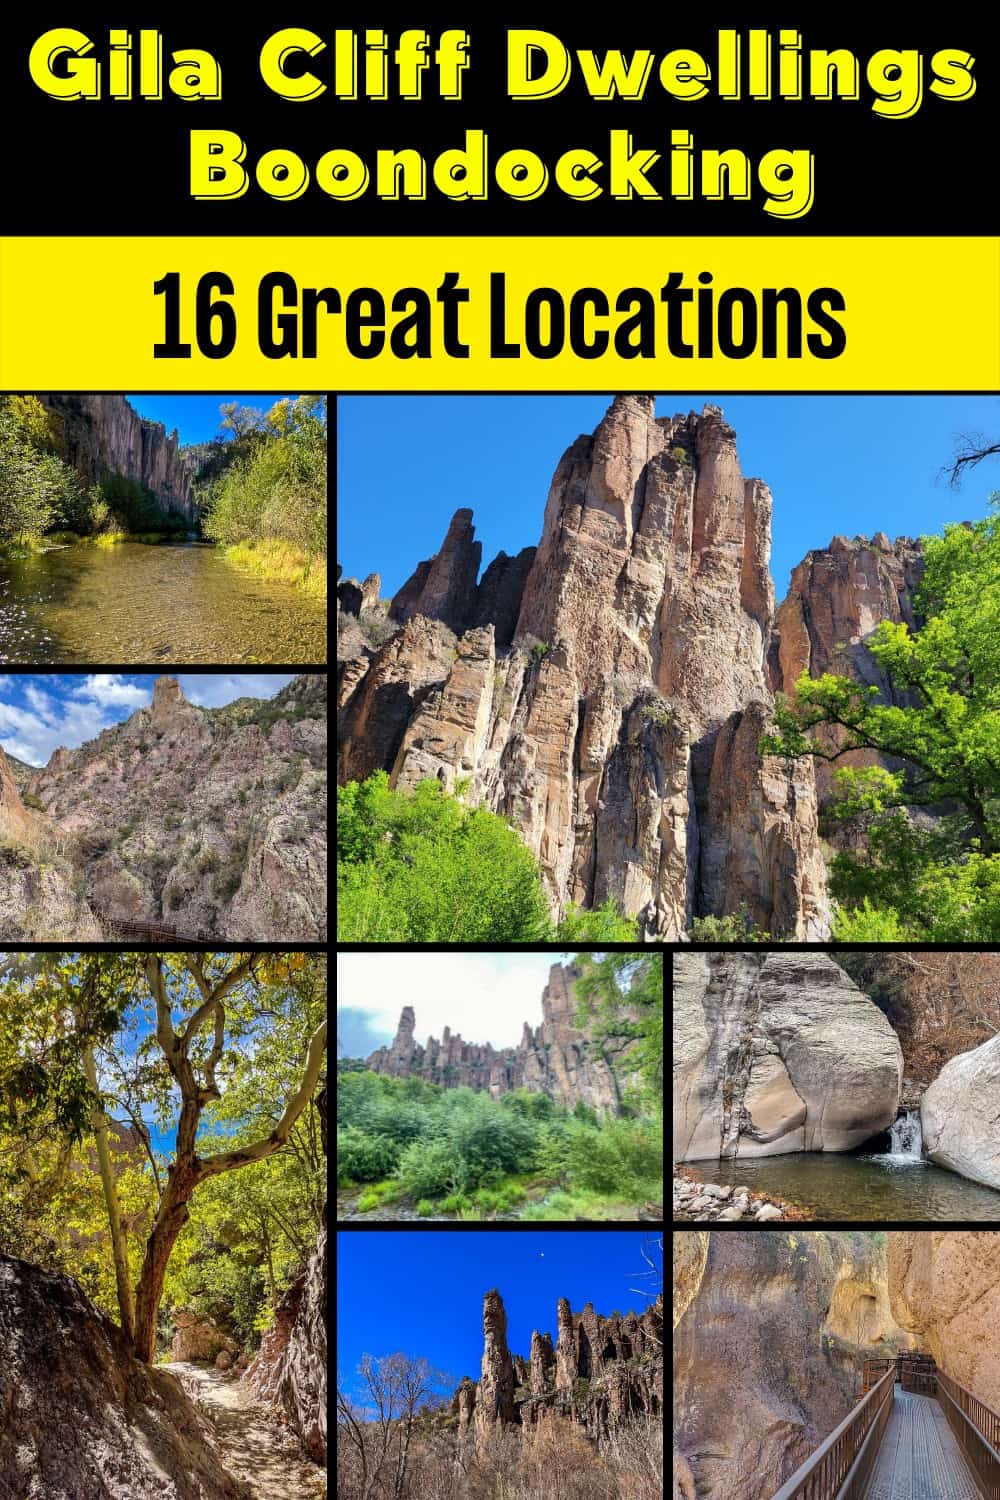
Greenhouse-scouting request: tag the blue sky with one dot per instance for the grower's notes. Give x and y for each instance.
(485, 996)
(195, 417)
(38, 713)
(442, 1277)
(850, 464)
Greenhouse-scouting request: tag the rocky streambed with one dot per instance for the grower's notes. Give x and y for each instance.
(710, 1200)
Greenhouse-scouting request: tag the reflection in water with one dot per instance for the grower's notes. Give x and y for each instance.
(834, 1186)
(181, 602)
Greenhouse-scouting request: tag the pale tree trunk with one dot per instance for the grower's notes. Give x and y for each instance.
(170, 1220)
(188, 1169)
(119, 1251)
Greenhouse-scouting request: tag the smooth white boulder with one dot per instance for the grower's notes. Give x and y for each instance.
(960, 1115)
(777, 1052)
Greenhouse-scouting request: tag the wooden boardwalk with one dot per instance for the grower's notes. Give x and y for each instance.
(919, 1458)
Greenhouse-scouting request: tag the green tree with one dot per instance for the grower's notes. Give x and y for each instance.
(86, 1032)
(423, 867)
(620, 996)
(939, 877)
(36, 487)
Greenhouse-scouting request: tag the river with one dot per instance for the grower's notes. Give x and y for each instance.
(179, 602)
(834, 1185)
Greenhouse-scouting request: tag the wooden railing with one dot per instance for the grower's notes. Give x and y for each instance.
(147, 932)
(977, 1429)
(841, 1466)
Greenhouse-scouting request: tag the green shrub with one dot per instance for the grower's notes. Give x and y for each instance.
(366, 1202)
(430, 1167)
(425, 1208)
(362, 1157)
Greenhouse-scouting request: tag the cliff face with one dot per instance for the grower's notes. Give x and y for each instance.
(203, 819)
(777, 1052)
(607, 693)
(105, 437)
(556, 1058)
(745, 1417)
(837, 598)
(39, 894)
(604, 1371)
(945, 1288)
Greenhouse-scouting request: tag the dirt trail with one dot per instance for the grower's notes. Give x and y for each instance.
(253, 1444)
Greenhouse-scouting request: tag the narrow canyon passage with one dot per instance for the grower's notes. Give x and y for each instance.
(919, 1458)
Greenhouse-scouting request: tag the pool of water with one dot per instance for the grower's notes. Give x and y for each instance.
(179, 602)
(835, 1186)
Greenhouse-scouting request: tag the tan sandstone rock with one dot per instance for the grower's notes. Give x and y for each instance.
(945, 1287)
(744, 1419)
(777, 1052)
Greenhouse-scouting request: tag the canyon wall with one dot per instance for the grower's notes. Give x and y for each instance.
(104, 437)
(607, 691)
(40, 896)
(600, 1372)
(208, 820)
(771, 1333)
(777, 1052)
(556, 1058)
(944, 1287)
(838, 596)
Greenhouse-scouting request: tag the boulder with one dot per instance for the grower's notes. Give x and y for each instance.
(960, 1115)
(777, 1052)
(198, 1338)
(223, 1360)
(79, 1417)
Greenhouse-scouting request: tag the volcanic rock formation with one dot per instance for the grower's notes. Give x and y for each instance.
(777, 1052)
(605, 1371)
(555, 1058)
(207, 820)
(105, 437)
(607, 694)
(79, 1416)
(771, 1332)
(38, 887)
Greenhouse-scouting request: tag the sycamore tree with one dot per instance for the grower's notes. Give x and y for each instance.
(620, 997)
(923, 831)
(84, 1035)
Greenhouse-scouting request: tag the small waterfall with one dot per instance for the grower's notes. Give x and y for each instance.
(906, 1140)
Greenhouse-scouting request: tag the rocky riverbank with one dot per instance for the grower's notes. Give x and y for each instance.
(709, 1201)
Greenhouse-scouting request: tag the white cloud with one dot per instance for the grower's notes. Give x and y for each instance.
(485, 996)
(111, 688)
(216, 689)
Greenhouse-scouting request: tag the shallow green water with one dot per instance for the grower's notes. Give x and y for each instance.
(180, 602)
(833, 1186)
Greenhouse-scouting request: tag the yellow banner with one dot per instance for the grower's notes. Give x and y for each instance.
(544, 314)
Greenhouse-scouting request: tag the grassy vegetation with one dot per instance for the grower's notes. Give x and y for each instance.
(281, 562)
(262, 489)
(457, 1152)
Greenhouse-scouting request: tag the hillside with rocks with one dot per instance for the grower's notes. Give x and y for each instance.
(557, 1058)
(210, 821)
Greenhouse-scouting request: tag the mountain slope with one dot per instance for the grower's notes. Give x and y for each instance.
(208, 820)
